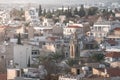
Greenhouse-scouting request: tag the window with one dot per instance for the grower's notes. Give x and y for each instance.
(99, 28)
(43, 43)
(18, 73)
(32, 12)
(78, 71)
(70, 30)
(35, 52)
(95, 28)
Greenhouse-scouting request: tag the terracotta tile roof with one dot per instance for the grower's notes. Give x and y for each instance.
(3, 27)
(117, 29)
(74, 26)
(111, 71)
(52, 38)
(3, 76)
(112, 42)
(113, 54)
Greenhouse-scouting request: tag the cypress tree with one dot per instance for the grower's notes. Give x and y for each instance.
(28, 65)
(82, 12)
(76, 11)
(40, 10)
(44, 12)
(19, 39)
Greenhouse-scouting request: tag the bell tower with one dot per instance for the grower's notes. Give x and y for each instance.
(74, 47)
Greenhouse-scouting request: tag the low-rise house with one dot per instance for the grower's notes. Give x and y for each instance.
(117, 14)
(24, 74)
(117, 31)
(72, 28)
(48, 22)
(3, 76)
(101, 28)
(51, 44)
(4, 16)
(115, 64)
(22, 55)
(112, 48)
(57, 30)
(43, 30)
(31, 15)
(112, 57)
(106, 72)
(113, 38)
(111, 42)
(71, 77)
(12, 73)
(62, 18)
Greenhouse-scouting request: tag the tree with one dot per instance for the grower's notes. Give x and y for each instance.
(76, 11)
(44, 12)
(82, 12)
(53, 11)
(40, 10)
(49, 14)
(71, 62)
(69, 12)
(92, 10)
(56, 57)
(17, 14)
(19, 39)
(98, 57)
(62, 9)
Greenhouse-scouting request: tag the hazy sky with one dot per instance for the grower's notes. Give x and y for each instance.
(55, 1)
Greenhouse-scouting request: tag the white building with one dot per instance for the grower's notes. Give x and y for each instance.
(43, 30)
(112, 57)
(72, 28)
(25, 55)
(20, 74)
(101, 29)
(12, 73)
(112, 48)
(31, 15)
(48, 22)
(4, 16)
(22, 55)
(71, 77)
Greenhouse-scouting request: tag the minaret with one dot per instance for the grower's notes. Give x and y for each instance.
(74, 47)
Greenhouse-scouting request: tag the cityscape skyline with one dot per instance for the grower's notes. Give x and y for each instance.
(59, 1)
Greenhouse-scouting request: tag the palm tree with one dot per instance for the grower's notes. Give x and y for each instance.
(56, 57)
(71, 62)
(98, 57)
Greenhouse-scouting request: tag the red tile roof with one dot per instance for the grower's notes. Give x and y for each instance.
(117, 29)
(113, 54)
(111, 71)
(74, 26)
(112, 42)
(3, 76)
(52, 38)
